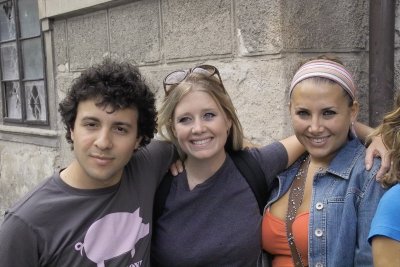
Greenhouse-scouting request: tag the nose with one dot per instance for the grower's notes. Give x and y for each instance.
(103, 140)
(315, 126)
(198, 127)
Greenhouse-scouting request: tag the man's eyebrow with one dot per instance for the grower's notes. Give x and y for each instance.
(89, 118)
(118, 123)
(121, 123)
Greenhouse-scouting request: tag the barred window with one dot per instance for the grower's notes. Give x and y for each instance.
(22, 68)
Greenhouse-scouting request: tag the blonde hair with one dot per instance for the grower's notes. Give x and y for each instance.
(390, 134)
(211, 86)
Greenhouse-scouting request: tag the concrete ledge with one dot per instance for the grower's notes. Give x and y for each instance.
(29, 131)
(41, 137)
(62, 8)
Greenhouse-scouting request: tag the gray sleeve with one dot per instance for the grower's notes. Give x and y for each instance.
(18, 243)
(163, 153)
(156, 157)
(272, 158)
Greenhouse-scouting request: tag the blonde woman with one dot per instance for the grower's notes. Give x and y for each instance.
(385, 228)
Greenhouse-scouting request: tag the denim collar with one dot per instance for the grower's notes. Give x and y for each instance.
(342, 163)
(346, 158)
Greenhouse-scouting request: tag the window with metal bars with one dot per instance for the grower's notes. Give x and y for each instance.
(22, 68)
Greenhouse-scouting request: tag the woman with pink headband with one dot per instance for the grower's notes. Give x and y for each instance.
(319, 213)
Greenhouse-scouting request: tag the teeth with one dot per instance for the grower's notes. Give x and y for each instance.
(318, 140)
(200, 142)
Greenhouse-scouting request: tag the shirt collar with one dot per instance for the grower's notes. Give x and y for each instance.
(346, 158)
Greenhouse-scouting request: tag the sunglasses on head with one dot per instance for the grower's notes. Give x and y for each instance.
(176, 77)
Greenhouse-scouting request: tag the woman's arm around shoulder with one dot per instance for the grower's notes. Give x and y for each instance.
(293, 148)
(385, 251)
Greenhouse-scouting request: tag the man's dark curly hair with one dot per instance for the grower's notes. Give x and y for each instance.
(115, 85)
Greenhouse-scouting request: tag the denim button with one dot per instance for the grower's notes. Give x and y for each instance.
(318, 232)
(318, 264)
(319, 206)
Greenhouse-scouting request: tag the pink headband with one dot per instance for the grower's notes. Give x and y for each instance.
(325, 69)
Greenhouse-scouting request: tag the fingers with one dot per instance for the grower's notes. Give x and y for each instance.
(378, 149)
(176, 168)
(385, 166)
(369, 158)
(173, 169)
(179, 165)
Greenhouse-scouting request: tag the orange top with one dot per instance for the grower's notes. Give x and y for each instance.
(275, 242)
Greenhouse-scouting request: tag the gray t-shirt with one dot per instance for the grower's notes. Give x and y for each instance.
(218, 223)
(57, 225)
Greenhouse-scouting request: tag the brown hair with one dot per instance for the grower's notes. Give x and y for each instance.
(390, 133)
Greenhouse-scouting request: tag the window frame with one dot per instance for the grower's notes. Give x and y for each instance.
(24, 121)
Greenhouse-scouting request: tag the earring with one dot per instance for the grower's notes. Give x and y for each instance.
(352, 129)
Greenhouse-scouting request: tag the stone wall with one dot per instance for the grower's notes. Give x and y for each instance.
(22, 167)
(257, 45)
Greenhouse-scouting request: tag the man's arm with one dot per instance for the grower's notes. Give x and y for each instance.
(162, 154)
(18, 244)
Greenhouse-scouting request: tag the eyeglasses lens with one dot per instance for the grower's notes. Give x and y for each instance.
(206, 70)
(176, 77)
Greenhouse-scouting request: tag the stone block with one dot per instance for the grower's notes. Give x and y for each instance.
(154, 76)
(358, 65)
(60, 44)
(87, 40)
(257, 90)
(259, 94)
(258, 27)
(196, 28)
(19, 171)
(135, 32)
(64, 82)
(325, 24)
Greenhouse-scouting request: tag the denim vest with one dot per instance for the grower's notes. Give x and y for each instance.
(344, 200)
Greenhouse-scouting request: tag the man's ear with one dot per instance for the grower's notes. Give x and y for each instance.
(71, 131)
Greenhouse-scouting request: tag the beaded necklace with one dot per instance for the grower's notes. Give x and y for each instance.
(295, 199)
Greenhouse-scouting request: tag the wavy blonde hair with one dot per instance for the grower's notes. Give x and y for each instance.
(390, 133)
(213, 87)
